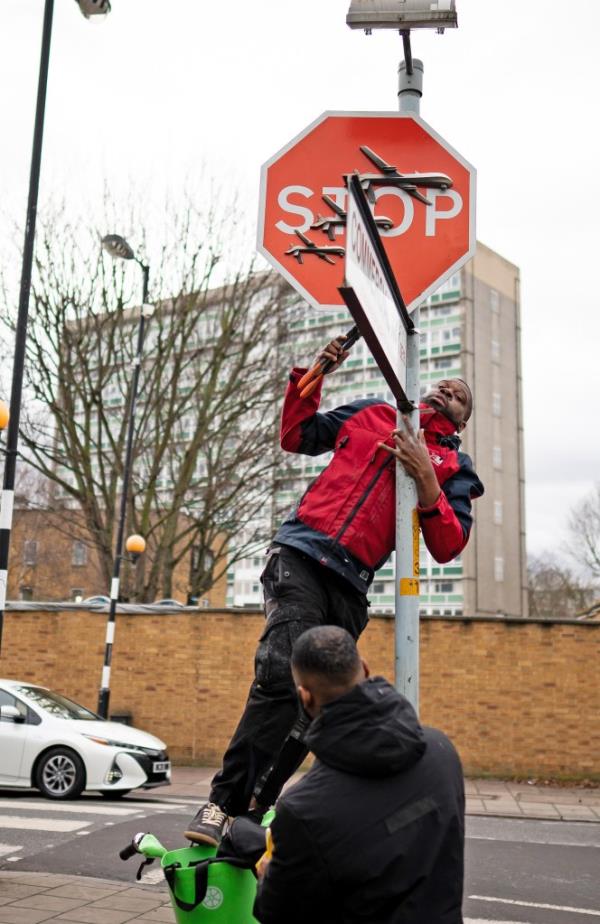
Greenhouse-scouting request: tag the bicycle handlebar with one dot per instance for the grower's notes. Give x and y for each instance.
(129, 851)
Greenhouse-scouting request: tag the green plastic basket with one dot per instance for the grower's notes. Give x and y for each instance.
(205, 890)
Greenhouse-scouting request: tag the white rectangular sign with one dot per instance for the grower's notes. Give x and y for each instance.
(364, 274)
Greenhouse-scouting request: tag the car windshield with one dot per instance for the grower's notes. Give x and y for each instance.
(57, 705)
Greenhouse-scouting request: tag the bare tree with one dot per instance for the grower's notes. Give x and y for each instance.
(584, 533)
(555, 591)
(205, 452)
(32, 490)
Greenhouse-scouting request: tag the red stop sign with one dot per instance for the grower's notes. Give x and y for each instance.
(425, 243)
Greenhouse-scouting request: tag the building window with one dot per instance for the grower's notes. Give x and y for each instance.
(496, 404)
(378, 587)
(498, 513)
(444, 587)
(443, 363)
(494, 301)
(497, 457)
(498, 568)
(25, 593)
(79, 557)
(30, 549)
(495, 351)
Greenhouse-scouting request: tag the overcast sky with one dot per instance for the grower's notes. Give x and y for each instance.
(164, 90)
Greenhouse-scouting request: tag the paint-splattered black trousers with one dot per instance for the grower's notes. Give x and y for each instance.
(299, 594)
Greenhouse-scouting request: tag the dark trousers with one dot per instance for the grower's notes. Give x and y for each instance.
(299, 594)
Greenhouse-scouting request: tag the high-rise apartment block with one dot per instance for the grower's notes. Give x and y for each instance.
(469, 328)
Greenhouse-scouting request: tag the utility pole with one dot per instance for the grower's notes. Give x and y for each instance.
(410, 89)
(88, 8)
(402, 16)
(118, 248)
(12, 439)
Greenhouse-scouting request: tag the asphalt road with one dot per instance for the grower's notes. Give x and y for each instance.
(535, 872)
(531, 872)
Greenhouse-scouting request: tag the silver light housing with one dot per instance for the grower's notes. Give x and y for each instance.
(117, 247)
(402, 14)
(93, 7)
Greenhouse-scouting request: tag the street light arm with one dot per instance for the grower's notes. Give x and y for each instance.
(146, 275)
(405, 33)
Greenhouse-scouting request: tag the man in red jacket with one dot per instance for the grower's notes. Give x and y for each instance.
(324, 556)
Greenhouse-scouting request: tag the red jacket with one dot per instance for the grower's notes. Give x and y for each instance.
(346, 518)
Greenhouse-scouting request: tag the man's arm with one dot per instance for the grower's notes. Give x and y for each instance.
(444, 513)
(446, 525)
(303, 429)
(295, 888)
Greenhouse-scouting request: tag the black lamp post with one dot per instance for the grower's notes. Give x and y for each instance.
(88, 8)
(118, 248)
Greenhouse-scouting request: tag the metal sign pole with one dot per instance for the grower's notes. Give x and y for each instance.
(410, 88)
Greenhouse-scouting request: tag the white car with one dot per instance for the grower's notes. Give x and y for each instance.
(51, 743)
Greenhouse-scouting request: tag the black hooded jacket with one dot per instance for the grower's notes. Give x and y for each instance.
(374, 833)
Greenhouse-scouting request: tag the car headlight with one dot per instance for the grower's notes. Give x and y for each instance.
(122, 744)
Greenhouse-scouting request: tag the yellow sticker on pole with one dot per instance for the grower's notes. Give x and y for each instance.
(409, 587)
(416, 542)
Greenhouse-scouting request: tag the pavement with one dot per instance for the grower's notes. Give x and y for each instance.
(484, 797)
(33, 898)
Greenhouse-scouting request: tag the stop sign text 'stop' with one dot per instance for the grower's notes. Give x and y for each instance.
(301, 233)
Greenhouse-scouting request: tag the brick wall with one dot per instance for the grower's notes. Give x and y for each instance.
(517, 697)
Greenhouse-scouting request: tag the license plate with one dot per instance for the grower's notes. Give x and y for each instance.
(161, 766)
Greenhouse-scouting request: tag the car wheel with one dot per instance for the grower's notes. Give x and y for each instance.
(60, 774)
(114, 793)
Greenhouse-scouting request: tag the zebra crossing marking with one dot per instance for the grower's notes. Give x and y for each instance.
(9, 848)
(524, 904)
(153, 876)
(61, 807)
(87, 807)
(41, 824)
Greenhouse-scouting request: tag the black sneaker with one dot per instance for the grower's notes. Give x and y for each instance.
(208, 825)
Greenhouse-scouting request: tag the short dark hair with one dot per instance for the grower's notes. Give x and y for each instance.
(327, 651)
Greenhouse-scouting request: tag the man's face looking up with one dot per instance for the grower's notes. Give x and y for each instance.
(452, 398)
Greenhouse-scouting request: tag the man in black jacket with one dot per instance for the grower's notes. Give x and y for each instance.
(375, 830)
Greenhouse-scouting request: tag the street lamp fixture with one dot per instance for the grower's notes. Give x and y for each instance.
(119, 249)
(135, 546)
(402, 14)
(93, 7)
